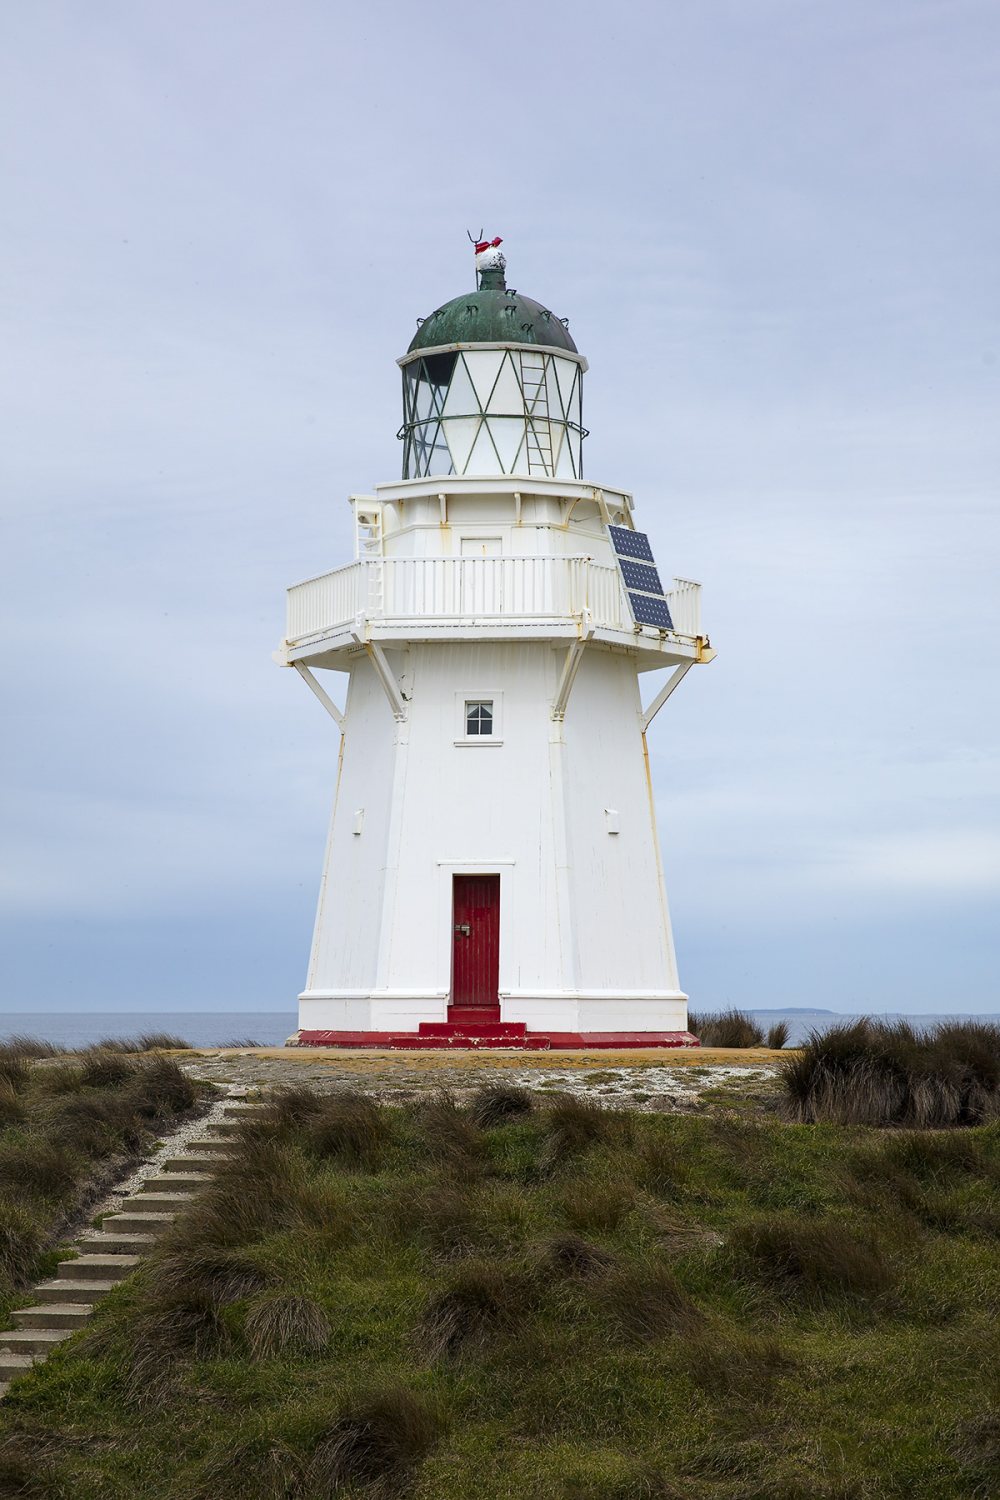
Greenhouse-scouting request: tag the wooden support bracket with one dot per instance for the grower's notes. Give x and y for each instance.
(673, 681)
(571, 665)
(383, 671)
(321, 694)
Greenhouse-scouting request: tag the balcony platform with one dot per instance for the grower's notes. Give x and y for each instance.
(396, 600)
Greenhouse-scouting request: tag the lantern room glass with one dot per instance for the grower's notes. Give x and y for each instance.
(482, 411)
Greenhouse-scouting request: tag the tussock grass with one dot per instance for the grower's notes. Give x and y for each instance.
(481, 1299)
(596, 1206)
(818, 1262)
(149, 1041)
(285, 1111)
(215, 1273)
(57, 1078)
(162, 1041)
(448, 1133)
(730, 1028)
(646, 1301)
(165, 1335)
(12, 1106)
(660, 1167)
(37, 1167)
(572, 1255)
(30, 1046)
(97, 1124)
(21, 1240)
(160, 1089)
(561, 1331)
(348, 1128)
(975, 1442)
(375, 1444)
(746, 1366)
(499, 1103)
(105, 1069)
(438, 1216)
(890, 1073)
(15, 1069)
(574, 1125)
(284, 1323)
(777, 1036)
(257, 1192)
(261, 1467)
(26, 1472)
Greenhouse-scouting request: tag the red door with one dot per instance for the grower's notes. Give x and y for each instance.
(475, 965)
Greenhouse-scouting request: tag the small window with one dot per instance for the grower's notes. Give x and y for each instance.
(479, 717)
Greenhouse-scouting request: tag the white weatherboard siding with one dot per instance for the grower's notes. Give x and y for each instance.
(585, 942)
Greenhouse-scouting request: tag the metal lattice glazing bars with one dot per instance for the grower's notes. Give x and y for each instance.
(491, 411)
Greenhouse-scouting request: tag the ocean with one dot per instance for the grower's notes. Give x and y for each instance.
(271, 1027)
(201, 1028)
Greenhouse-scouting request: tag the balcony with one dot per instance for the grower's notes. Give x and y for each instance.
(482, 597)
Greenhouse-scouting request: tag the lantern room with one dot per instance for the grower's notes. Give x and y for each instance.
(492, 384)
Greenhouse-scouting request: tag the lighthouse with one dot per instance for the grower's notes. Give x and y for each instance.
(493, 874)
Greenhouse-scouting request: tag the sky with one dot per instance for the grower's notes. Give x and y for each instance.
(773, 225)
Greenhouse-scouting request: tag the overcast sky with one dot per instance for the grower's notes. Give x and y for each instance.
(774, 227)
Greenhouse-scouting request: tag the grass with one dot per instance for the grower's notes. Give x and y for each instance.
(777, 1036)
(731, 1028)
(65, 1127)
(552, 1301)
(891, 1073)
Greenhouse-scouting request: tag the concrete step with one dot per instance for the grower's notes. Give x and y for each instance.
(467, 1029)
(100, 1242)
(201, 1166)
(213, 1147)
(32, 1340)
(97, 1267)
(407, 1042)
(223, 1128)
(242, 1109)
(174, 1182)
(155, 1203)
(53, 1315)
(79, 1292)
(12, 1365)
(145, 1223)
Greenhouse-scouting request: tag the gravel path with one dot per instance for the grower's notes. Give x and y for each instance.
(650, 1081)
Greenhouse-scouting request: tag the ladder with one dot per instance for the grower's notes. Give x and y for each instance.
(369, 548)
(538, 436)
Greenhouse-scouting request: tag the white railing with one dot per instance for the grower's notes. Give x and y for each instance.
(685, 606)
(477, 589)
(328, 600)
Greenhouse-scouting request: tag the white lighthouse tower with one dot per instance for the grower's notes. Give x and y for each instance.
(493, 872)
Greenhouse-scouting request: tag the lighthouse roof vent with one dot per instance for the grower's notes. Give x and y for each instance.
(493, 314)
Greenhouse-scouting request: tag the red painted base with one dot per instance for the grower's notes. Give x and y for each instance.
(487, 1032)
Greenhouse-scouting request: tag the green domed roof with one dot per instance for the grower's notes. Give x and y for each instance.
(492, 315)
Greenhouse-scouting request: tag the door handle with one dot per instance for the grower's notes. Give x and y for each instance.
(464, 928)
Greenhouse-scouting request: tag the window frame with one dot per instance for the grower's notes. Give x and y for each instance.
(470, 696)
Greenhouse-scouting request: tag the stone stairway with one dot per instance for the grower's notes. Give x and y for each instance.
(109, 1254)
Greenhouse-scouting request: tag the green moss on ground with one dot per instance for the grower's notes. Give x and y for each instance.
(574, 1304)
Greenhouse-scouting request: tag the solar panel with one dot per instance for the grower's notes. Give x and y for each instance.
(648, 609)
(640, 576)
(628, 543)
